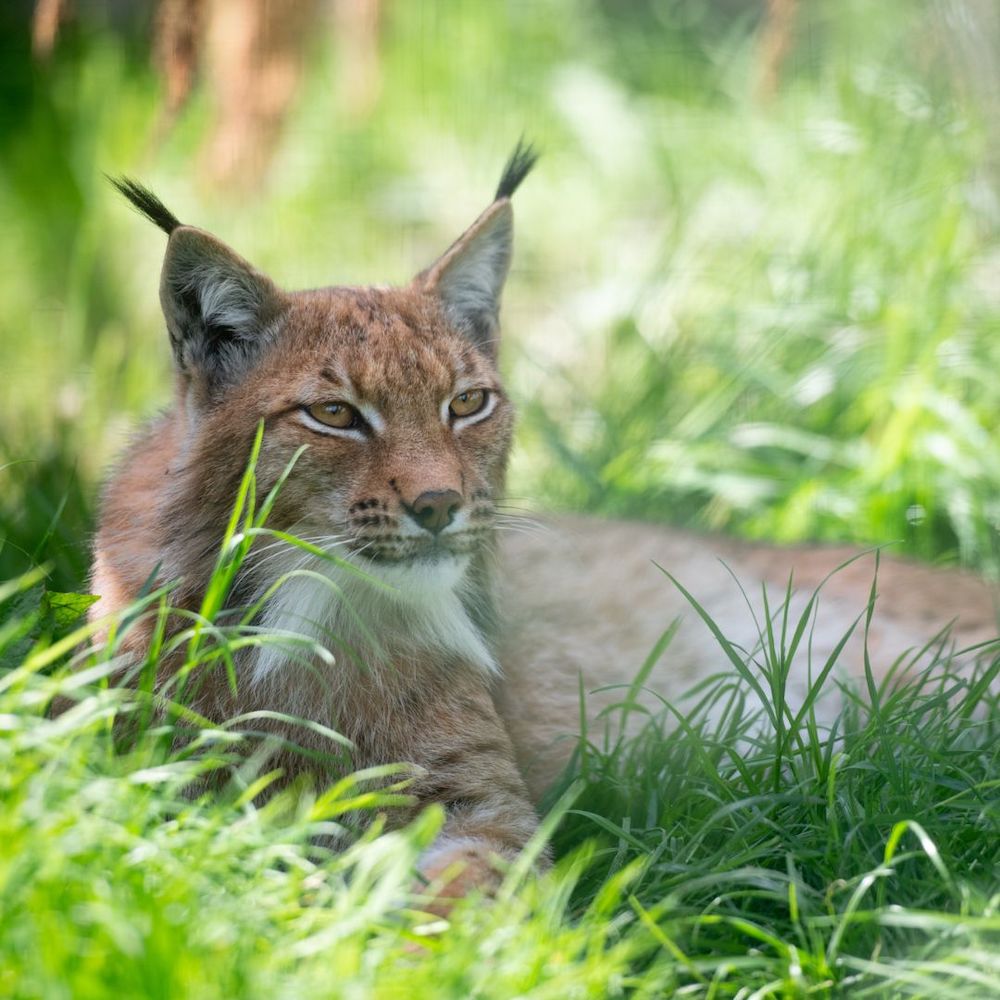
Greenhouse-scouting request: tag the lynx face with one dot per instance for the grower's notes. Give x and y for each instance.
(392, 400)
(406, 430)
(405, 423)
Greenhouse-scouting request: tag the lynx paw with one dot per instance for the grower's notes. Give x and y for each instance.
(454, 868)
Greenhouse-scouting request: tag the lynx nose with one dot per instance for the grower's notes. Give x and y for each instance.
(435, 509)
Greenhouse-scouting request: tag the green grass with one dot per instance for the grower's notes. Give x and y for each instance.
(777, 319)
(721, 852)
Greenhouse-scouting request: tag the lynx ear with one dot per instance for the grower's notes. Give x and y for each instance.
(469, 277)
(220, 311)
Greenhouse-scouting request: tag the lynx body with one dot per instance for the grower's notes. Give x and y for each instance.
(450, 651)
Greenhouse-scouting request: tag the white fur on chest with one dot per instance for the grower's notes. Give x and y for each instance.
(414, 609)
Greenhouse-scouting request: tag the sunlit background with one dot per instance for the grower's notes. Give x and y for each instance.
(757, 272)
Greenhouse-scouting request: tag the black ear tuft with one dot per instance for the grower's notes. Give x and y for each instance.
(520, 163)
(221, 312)
(144, 201)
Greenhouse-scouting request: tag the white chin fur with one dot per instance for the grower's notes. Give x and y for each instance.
(417, 610)
(421, 582)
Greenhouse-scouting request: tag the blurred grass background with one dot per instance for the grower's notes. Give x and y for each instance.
(769, 309)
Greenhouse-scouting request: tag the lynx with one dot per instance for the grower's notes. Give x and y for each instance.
(456, 646)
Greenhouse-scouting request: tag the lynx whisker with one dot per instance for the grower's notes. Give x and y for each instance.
(516, 530)
(256, 554)
(520, 522)
(276, 549)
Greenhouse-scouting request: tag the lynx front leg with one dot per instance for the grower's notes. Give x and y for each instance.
(470, 770)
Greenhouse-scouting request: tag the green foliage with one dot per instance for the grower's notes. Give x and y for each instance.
(729, 846)
(801, 852)
(732, 847)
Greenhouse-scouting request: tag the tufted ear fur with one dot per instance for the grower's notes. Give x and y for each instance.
(469, 277)
(220, 311)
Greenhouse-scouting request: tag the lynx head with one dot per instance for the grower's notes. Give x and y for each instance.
(394, 392)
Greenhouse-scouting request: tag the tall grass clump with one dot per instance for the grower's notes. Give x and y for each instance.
(732, 846)
(782, 855)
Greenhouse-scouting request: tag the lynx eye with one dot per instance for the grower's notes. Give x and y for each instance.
(468, 402)
(341, 416)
